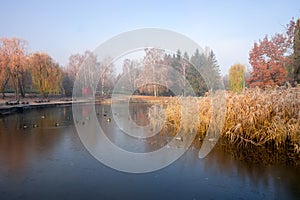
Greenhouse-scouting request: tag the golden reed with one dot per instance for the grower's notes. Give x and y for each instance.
(268, 118)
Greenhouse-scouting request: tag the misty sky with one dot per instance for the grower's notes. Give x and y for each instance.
(62, 28)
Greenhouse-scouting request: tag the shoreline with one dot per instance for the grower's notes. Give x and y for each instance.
(30, 103)
(11, 109)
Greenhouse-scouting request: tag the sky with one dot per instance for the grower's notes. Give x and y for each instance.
(229, 28)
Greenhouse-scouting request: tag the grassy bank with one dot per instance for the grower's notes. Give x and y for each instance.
(256, 119)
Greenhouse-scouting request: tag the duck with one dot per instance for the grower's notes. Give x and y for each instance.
(108, 119)
(25, 126)
(34, 125)
(43, 116)
(56, 124)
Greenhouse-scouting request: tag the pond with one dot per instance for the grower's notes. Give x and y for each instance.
(42, 157)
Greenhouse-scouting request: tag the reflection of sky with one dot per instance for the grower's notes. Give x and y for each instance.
(51, 162)
(19, 145)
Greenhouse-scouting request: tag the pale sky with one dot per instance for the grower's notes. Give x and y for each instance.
(62, 28)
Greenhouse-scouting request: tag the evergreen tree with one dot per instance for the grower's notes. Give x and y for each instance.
(196, 75)
(212, 70)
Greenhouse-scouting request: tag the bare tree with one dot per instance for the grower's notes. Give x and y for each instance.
(73, 65)
(152, 73)
(130, 70)
(106, 75)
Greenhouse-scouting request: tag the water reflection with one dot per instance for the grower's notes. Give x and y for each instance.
(52, 159)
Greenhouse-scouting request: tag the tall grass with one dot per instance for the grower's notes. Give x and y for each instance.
(267, 118)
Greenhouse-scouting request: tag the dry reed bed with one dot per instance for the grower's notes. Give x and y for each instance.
(268, 118)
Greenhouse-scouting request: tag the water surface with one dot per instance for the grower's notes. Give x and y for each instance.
(50, 162)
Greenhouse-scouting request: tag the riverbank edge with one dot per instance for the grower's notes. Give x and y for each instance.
(19, 108)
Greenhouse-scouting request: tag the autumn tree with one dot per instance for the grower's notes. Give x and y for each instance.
(13, 59)
(270, 59)
(236, 77)
(4, 70)
(46, 73)
(267, 59)
(25, 80)
(4, 77)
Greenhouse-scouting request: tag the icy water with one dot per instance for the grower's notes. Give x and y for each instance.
(42, 157)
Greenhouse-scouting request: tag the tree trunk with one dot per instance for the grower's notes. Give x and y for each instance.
(3, 88)
(16, 86)
(22, 89)
(297, 74)
(155, 90)
(102, 86)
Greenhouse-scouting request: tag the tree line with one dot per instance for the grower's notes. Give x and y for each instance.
(162, 73)
(38, 72)
(274, 61)
(23, 72)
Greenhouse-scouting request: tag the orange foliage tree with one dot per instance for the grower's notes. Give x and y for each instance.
(270, 59)
(13, 59)
(4, 70)
(268, 62)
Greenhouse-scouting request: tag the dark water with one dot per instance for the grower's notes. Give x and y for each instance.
(49, 162)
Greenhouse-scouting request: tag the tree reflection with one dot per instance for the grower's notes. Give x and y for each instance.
(31, 135)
